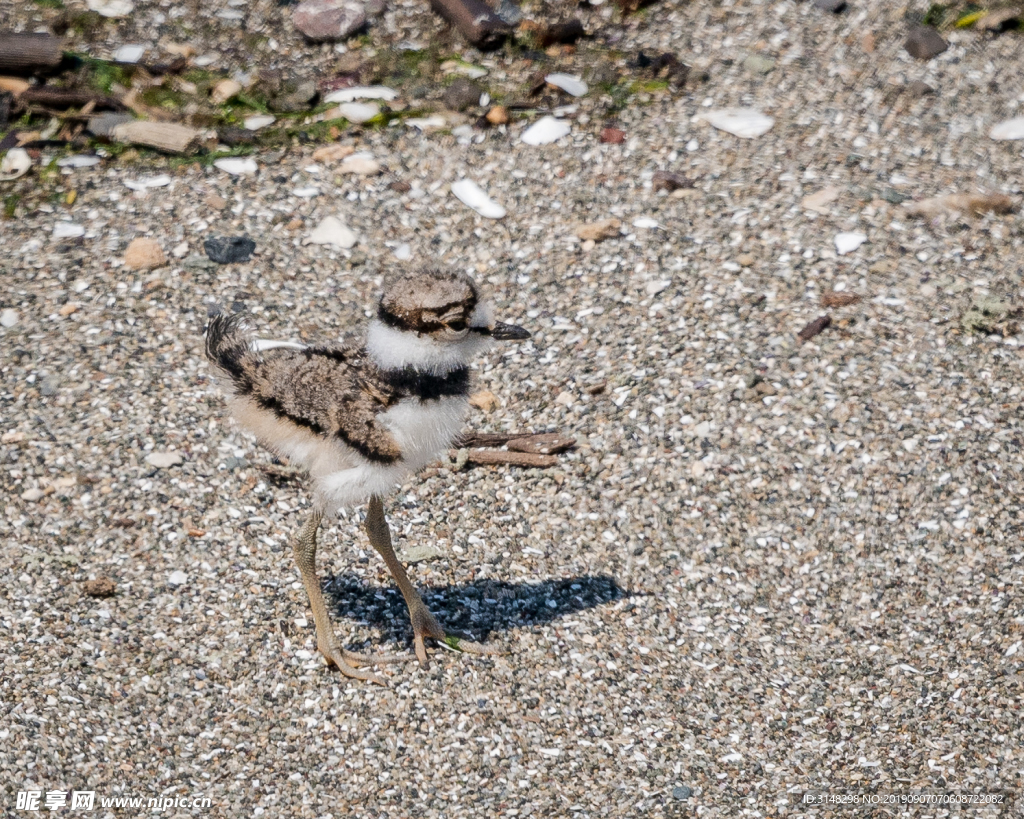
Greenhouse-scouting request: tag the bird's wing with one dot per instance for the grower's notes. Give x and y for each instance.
(325, 390)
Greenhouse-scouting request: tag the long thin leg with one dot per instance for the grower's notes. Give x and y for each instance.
(424, 624)
(304, 548)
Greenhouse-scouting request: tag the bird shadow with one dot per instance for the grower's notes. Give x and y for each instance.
(477, 609)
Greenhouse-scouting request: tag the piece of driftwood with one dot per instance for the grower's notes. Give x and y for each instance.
(548, 443)
(25, 53)
(164, 136)
(831, 298)
(474, 20)
(63, 98)
(813, 328)
(471, 439)
(491, 457)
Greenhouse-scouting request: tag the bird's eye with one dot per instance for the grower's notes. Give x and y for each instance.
(457, 326)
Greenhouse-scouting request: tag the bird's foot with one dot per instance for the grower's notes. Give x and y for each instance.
(348, 662)
(425, 626)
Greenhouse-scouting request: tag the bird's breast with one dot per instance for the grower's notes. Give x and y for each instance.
(424, 429)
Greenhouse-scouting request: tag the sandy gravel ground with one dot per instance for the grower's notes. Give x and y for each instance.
(768, 566)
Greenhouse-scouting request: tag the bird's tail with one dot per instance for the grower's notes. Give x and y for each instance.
(229, 345)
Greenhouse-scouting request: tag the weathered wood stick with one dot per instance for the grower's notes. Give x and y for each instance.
(474, 20)
(164, 136)
(24, 53)
(490, 457)
(68, 98)
(471, 439)
(548, 443)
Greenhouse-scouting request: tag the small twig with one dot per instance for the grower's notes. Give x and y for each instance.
(68, 98)
(492, 457)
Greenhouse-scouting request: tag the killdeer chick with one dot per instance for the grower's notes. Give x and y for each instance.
(362, 419)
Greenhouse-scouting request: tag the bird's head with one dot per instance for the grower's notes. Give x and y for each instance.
(434, 321)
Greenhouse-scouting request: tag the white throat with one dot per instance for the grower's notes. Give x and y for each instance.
(393, 349)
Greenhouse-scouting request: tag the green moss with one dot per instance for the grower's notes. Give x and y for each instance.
(648, 86)
(84, 22)
(103, 75)
(160, 97)
(935, 15)
(11, 202)
(49, 4)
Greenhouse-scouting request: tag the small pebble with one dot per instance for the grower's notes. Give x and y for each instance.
(498, 115)
(144, 254)
(177, 578)
(612, 136)
(100, 587)
(224, 90)
(361, 164)
(462, 94)
(8, 318)
(328, 20)
(229, 249)
(924, 42)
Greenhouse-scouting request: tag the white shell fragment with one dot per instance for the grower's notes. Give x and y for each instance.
(307, 192)
(177, 578)
(568, 83)
(129, 54)
(332, 232)
(1008, 129)
(78, 161)
(472, 195)
(545, 130)
(258, 121)
(427, 123)
(111, 8)
(646, 222)
(236, 165)
(146, 182)
(163, 459)
(403, 252)
(746, 123)
(16, 163)
(362, 92)
(849, 242)
(361, 163)
(359, 112)
(67, 230)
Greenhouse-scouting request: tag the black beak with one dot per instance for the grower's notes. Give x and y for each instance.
(508, 332)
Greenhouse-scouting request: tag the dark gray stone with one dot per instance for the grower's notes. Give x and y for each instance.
(228, 249)
(924, 42)
(682, 792)
(919, 88)
(831, 6)
(462, 94)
